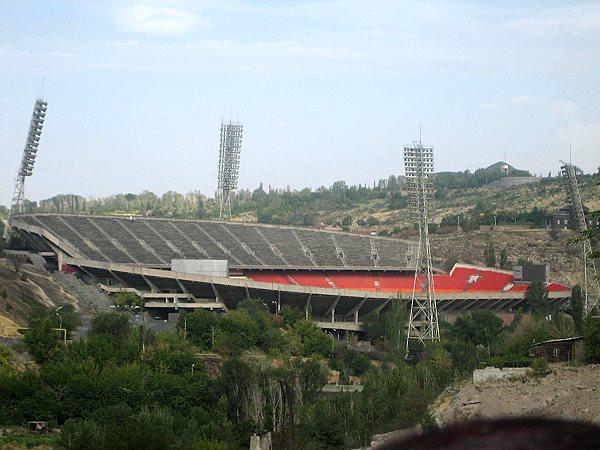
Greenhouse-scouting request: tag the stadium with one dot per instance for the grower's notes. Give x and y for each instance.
(336, 278)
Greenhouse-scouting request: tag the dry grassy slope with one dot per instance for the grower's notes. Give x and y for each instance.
(538, 246)
(24, 291)
(545, 195)
(568, 393)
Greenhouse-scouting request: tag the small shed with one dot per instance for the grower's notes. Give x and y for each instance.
(556, 350)
(37, 426)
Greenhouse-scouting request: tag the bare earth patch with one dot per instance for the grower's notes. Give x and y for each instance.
(567, 392)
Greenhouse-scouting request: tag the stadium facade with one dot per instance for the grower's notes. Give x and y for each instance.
(335, 278)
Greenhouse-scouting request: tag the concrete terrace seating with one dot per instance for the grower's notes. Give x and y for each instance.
(491, 280)
(129, 242)
(155, 242)
(321, 246)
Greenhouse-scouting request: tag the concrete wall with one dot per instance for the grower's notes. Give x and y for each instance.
(213, 267)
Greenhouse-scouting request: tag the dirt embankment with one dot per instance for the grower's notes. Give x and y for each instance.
(25, 290)
(554, 248)
(567, 393)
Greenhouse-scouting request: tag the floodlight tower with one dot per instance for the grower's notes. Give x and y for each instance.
(423, 318)
(591, 286)
(29, 154)
(229, 165)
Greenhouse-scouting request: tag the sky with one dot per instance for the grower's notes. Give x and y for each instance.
(326, 90)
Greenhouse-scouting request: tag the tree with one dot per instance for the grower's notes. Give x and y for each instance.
(313, 376)
(41, 339)
(200, 327)
(504, 263)
(385, 328)
(536, 298)
(481, 327)
(577, 308)
(313, 340)
(346, 223)
(125, 299)
(113, 325)
(255, 307)
(64, 317)
(489, 254)
(591, 336)
(237, 331)
(291, 316)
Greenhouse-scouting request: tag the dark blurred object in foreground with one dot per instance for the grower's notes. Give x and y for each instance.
(522, 434)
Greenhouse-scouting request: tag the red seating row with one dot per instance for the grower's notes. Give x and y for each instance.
(461, 278)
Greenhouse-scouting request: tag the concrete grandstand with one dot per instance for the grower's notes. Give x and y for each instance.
(336, 278)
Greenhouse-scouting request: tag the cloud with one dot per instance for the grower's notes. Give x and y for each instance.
(523, 99)
(582, 133)
(565, 109)
(158, 20)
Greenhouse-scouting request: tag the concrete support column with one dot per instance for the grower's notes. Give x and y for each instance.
(307, 307)
(59, 259)
(356, 317)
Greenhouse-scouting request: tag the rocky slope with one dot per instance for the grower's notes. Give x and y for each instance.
(26, 290)
(554, 248)
(567, 392)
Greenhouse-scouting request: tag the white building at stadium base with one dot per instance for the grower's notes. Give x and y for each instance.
(335, 278)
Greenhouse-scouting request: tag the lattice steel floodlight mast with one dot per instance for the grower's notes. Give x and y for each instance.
(591, 285)
(29, 154)
(229, 165)
(423, 318)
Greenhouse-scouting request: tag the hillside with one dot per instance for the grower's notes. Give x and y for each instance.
(461, 197)
(553, 248)
(568, 393)
(382, 205)
(26, 291)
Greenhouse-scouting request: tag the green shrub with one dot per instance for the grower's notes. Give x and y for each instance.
(591, 336)
(508, 360)
(128, 300)
(540, 367)
(313, 340)
(427, 422)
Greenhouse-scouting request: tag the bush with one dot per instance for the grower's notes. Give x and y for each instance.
(127, 300)
(313, 340)
(540, 367)
(237, 331)
(113, 325)
(427, 422)
(482, 327)
(291, 316)
(508, 360)
(591, 336)
(200, 327)
(41, 340)
(536, 298)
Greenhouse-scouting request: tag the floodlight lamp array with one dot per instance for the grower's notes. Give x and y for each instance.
(33, 138)
(229, 156)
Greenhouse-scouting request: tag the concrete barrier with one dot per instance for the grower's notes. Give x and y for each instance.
(491, 374)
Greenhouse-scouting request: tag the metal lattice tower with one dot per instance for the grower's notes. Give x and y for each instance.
(591, 286)
(29, 154)
(229, 165)
(423, 319)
